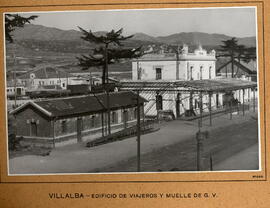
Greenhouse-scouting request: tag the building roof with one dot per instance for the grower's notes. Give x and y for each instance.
(170, 57)
(11, 83)
(81, 105)
(45, 73)
(206, 85)
(247, 68)
(199, 54)
(79, 89)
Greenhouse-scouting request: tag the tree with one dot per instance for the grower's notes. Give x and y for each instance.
(108, 52)
(233, 50)
(229, 49)
(14, 20)
(241, 50)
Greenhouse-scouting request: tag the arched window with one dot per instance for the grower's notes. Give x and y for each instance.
(201, 71)
(210, 69)
(190, 73)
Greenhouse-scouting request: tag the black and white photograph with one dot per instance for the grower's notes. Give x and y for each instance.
(132, 91)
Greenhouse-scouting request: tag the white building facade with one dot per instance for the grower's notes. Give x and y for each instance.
(48, 76)
(187, 66)
(169, 67)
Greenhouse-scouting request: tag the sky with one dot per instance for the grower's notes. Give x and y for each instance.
(233, 21)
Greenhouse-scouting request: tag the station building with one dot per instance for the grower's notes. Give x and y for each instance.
(184, 83)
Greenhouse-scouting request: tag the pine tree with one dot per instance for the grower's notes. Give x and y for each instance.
(108, 52)
(229, 49)
(14, 20)
(233, 50)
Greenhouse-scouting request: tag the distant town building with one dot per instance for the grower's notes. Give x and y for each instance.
(48, 76)
(241, 69)
(15, 88)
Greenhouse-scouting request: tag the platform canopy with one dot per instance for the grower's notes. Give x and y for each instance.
(206, 85)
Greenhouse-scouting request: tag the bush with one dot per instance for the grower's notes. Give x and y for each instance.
(14, 142)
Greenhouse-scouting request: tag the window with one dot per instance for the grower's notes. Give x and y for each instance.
(114, 117)
(93, 119)
(158, 73)
(63, 84)
(210, 69)
(64, 126)
(125, 116)
(201, 71)
(135, 113)
(190, 71)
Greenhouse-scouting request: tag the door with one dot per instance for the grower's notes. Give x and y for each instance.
(178, 105)
(125, 118)
(33, 129)
(159, 102)
(19, 91)
(79, 129)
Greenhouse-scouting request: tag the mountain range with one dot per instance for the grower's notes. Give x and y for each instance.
(43, 33)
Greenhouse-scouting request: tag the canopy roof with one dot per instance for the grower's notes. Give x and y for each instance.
(206, 85)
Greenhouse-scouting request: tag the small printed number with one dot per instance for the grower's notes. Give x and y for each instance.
(257, 176)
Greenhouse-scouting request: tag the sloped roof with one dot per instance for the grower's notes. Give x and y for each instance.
(243, 67)
(45, 73)
(75, 106)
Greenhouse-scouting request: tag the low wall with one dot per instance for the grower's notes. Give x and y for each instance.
(87, 135)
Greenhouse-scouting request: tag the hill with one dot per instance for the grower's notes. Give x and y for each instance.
(42, 33)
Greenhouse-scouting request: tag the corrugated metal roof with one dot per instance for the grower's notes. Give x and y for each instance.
(206, 85)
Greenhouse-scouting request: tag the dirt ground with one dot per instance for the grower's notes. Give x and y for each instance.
(173, 147)
(228, 147)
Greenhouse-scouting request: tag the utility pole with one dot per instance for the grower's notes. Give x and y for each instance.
(253, 99)
(107, 88)
(243, 102)
(15, 81)
(210, 108)
(201, 108)
(177, 63)
(138, 133)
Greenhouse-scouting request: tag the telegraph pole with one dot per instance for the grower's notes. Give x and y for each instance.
(107, 89)
(15, 81)
(138, 133)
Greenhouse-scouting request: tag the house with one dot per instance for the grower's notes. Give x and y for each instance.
(15, 88)
(54, 122)
(241, 69)
(46, 76)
